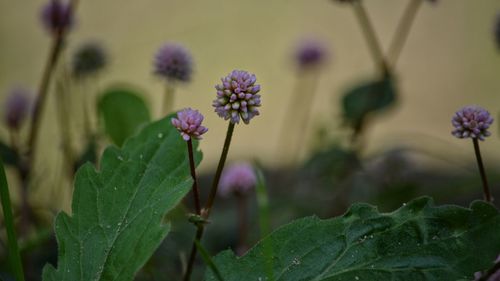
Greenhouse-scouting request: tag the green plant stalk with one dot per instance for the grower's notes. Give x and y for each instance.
(205, 213)
(370, 36)
(168, 98)
(64, 118)
(208, 260)
(264, 222)
(486, 189)
(14, 255)
(403, 30)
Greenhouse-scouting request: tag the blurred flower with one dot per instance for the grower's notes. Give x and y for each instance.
(88, 59)
(471, 122)
(56, 16)
(310, 53)
(496, 30)
(188, 123)
(237, 97)
(173, 62)
(17, 107)
(238, 178)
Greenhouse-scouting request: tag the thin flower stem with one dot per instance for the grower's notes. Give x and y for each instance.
(218, 173)
(14, 255)
(210, 201)
(56, 49)
(370, 35)
(168, 98)
(196, 193)
(403, 30)
(486, 189)
(298, 113)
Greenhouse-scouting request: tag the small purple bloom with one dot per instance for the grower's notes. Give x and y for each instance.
(56, 16)
(188, 123)
(17, 107)
(88, 59)
(471, 122)
(173, 62)
(237, 97)
(310, 53)
(496, 30)
(237, 179)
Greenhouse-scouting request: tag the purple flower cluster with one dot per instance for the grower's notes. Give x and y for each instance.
(237, 179)
(188, 123)
(237, 97)
(173, 62)
(310, 53)
(472, 122)
(57, 16)
(17, 107)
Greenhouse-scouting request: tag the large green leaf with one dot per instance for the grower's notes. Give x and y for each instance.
(419, 241)
(122, 111)
(117, 211)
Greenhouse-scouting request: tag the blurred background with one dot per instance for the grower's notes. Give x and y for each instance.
(450, 59)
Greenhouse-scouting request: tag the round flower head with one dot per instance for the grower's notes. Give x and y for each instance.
(237, 97)
(173, 62)
(310, 53)
(17, 107)
(56, 16)
(471, 122)
(188, 123)
(88, 59)
(237, 179)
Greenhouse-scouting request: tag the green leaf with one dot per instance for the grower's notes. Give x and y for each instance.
(369, 97)
(117, 211)
(419, 241)
(122, 111)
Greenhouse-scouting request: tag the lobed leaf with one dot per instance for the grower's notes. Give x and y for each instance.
(419, 241)
(117, 212)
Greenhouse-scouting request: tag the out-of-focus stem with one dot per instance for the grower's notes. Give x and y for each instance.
(55, 51)
(486, 189)
(62, 105)
(403, 30)
(210, 201)
(370, 36)
(168, 98)
(298, 113)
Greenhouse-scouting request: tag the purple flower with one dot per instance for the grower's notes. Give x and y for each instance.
(188, 123)
(238, 179)
(173, 62)
(471, 122)
(237, 97)
(17, 107)
(496, 30)
(88, 59)
(57, 16)
(310, 53)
